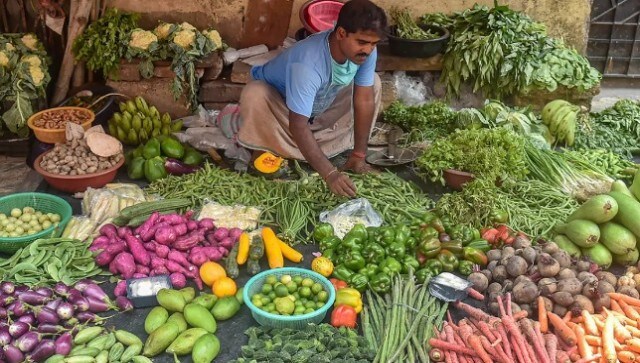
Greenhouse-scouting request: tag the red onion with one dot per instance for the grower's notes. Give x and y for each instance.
(65, 310)
(18, 328)
(28, 341)
(7, 287)
(13, 354)
(42, 351)
(64, 343)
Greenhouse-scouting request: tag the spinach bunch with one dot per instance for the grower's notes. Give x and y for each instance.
(313, 344)
(427, 121)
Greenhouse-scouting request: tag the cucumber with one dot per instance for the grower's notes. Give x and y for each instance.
(565, 244)
(599, 209)
(620, 186)
(150, 207)
(616, 238)
(628, 212)
(582, 232)
(635, 186)
(231, 265)
(599, 254)
(628, 259)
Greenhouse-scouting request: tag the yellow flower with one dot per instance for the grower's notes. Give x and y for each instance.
(214, 36)
(4, 60)
(34, 61)
(30, 41)
(187, 26)
(36, 75)
(185, 38)
(162, 30)
(141, 39)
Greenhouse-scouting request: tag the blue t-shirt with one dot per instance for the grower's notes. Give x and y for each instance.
(302, 75)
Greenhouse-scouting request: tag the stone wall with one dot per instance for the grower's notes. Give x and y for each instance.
(567, 19)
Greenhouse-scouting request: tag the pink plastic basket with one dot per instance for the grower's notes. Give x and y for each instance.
(321, 15)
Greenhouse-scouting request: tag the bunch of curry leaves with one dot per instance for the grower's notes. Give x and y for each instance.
(103, 43)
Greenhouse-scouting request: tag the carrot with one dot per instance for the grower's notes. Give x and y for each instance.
(475, 294)
(505, 340)
(574, 357)
(484, 328)
(542, 316)
(436, 355)
(444, 346)
(538, 346)
(593, 340)
(577, 319)
(629, 311)
(551, 345)
(473, 312)
(561, 328)
(589, 323)
(616, 307)
(530, 353)
(599, 324)
(463, 358)
(567, 317)
(634, 331)
(583, 347)
(449, 337)
(589, 359)
(520, 315)
(621, 297)
(512, 328)
(491, 350)
(608, 346)
(563, 357)
(620, 332)
(475, 344)
(520, 355)
(634, 344)
(627, 357)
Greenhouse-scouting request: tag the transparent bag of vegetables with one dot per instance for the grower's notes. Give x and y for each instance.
(347, 215)
(236, 216)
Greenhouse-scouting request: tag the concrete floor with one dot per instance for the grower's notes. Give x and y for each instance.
(16, 176)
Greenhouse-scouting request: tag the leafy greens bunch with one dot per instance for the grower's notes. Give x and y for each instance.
(24, 76)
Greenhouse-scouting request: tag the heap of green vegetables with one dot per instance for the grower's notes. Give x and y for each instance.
(24, 76)
(425, 122)
(503, 52)
(407, 28)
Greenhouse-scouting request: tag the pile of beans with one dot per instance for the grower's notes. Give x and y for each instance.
(58, 118)
(75, 158)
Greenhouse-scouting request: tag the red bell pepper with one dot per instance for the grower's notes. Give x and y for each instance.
(337, 284)
(344, 315)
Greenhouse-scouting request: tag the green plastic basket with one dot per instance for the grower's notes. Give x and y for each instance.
(254, 285)
(45, 203)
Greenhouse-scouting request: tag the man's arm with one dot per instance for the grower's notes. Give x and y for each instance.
(302, 135)
(363, 109)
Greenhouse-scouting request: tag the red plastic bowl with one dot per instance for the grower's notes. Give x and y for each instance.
(320, 15)
(77, 183)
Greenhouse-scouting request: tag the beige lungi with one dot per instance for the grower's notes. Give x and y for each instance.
(265, 121)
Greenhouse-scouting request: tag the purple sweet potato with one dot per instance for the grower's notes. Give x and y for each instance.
(108, 230)
(144, 227)
(178, 280)
(197, 256)
(149, 246)
(227, 243)
(162, 251)
(192, 225)
(159, 271)
(178, 257)
(157, 262)
(104, 258)
(173, 218)
(149, 233)
(138, 275)
(140, 254)
(121, 288)
(206, 223)
(165, 236)
(142, 269)
(100, 243)
(180, 229)
(125, 264)
(124, 231)
(173, 266)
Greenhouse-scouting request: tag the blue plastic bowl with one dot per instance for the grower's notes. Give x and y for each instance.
(254, 285)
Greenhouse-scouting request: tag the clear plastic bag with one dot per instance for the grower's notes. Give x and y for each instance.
(410, 90)
(234, 216)
(348, 214)
(201, 119)
(205, 138)
(449, 287)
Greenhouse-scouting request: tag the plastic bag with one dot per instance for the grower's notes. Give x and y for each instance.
(410, 90)
(201, 119)
(235, 216)
(449, 287)
(205, 138)
(348, 214)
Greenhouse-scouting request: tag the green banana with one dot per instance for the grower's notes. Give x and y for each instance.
(557, 117)
(549, 109)
(141, 105)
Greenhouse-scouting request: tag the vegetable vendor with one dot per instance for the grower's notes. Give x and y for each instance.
(319, 97)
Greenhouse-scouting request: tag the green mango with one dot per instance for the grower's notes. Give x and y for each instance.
(153, 112)
(185, 341)
(172, 148)
(154, 170)
(170, 299)
(151, 149)
(135, 170)
(206, 349)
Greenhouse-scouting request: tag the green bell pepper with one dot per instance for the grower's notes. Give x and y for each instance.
(342, 272)
(424, 275)
(359, 230)
(465, 267)
(402, 233)
(434, 266)
(390, 266)
(387, 235)
(192, 157)
(358, 281)
(449, 261)
(475, 255)
(430, 247)
(352, 242)
(372, 233)
(135, 170)
(151, 149)
(354, 260)
(396, 250)
(329, 242)
(371, 270)
(438, 225)
(329, 253)
(446, 223)
(499, 216)
(154, 169)
(380, 283)
(373, 252)
(323, 231)
(137, 152)
(410, 262)
(172, 148)
(453, 246)
(428, 232)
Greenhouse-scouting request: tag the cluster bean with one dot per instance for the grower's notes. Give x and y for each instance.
(58, 118)
(75, 158)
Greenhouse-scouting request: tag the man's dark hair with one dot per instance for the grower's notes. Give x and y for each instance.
(362, 15)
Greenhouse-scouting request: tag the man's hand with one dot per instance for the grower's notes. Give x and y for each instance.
(340, 184)
(358, 166)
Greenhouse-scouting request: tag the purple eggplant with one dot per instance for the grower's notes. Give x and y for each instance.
(87, 316)
(18, 328)
(61, 289)
(177, 167)
(82, 284)
(3, 313)
(47, 328)
(97, 293)
(44, 291)
(71, 324)
(20, 289)
(6, 300)
(13, 354)
(42, 351)
(28, 318)
(7, 287)
(65, 310)
(19, 308)
(5, 337)
(33, 298)
(98, 306)
(53, 304)
(124, 304)
(64, 343)
(80, 302)
(46, 315)
(28, 341)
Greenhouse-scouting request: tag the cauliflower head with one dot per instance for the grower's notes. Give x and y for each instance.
(4, 59)
(30, 41)
(9, 47)
(32, 60)
(142, 39)
(187, 26)
(185, 38)
(37, 75)
(214, 36)
(162, 31)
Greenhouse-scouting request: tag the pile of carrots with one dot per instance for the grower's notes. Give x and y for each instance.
(482, 338)
(611, 336)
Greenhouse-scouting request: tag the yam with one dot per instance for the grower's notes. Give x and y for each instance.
(103, 145)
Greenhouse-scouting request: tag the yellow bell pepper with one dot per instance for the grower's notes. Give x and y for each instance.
(349, 296)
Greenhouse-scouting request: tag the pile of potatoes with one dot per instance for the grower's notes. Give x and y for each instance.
(545, 270)
(75, 158)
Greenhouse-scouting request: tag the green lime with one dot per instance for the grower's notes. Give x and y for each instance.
(265, 300)
(307, 282)
(270, 307)
(281, 291)
(316, 288)
(271, 279)
(319, 305)
(285, 306)
(272, 295)
(299, 310)
(292, 287)
(310, 305)
(304, 291)
(303, 300)
(297, 279)
(291, 297)
(298, 303)
(322, 296)
(296, 295)
(285, 279)
(257, 302)
(308, 311)
(266, 288)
